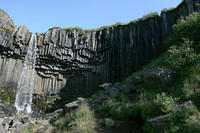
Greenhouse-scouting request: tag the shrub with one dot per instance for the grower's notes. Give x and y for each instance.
(82, 121)
(117, 109)
(188, 27)
(182, 55)
(165, 103)
(151, 105)
(185, 121)
(8, 95)
(46, 103)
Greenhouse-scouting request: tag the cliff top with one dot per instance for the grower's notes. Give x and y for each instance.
(5, 19)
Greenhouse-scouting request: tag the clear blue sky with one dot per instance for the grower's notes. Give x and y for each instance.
(39, 15)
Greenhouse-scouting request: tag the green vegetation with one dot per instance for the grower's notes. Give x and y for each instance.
(8, 95)
(109, 124)
(80, 121)
(182, 55)
(8, 28)
(83, 32)
(46, 103)
(186, 121)
(117, 109)
(145, 102)
(150, 15)
(187, 28)
(166, 10)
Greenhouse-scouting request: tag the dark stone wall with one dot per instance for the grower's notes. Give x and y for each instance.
(74, 62)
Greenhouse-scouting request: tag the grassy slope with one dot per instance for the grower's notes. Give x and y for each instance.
(145, 102)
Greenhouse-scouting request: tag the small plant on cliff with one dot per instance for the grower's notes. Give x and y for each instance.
(8, 28)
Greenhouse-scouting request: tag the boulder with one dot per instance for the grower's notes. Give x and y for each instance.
(111, 90)
(72, 106)
(139, 79)
(158, 77)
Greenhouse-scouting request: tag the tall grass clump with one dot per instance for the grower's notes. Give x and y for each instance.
(80, 121)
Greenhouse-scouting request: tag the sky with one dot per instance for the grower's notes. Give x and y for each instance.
(40, 15)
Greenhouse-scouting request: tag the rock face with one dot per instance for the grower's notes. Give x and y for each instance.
(158, 77)
(5, 20)
(74, 61)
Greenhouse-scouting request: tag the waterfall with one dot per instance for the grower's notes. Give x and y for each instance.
(23, 100)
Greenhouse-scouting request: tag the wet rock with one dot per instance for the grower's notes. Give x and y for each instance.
(158, 77)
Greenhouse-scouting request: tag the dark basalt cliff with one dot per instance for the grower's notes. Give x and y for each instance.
(75, 61)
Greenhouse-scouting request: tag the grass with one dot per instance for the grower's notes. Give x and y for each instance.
(8, 28)
(120, 110)
(147, 102)
(118, 24)
(80, 121)
(159, 62)
(166, 10)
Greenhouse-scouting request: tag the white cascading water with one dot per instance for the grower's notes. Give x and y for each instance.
(23, 100)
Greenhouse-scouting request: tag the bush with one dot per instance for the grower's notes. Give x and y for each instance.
(188, 27)
(165, 103)
(82, 121)
(151, 105)
(8, 95)
(117, 109)
(186, 121)
(182, 55)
